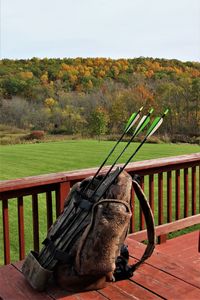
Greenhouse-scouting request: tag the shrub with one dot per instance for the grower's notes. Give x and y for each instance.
(154, 140)
(9, 140)
(59, 131)
(165, 138)
(36, 135)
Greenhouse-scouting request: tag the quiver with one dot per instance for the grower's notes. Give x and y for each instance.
(98, 245)
(82, 245)
(85, 248)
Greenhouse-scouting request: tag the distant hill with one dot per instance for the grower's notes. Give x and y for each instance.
(70, 94)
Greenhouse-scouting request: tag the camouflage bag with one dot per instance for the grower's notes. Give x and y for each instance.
(84, 248)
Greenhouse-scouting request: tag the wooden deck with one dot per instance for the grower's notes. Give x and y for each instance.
(166, 275)
(184, 248)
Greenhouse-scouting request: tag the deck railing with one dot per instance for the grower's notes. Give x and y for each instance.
(171, 184)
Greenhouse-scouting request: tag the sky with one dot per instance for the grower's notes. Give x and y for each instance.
(100, 28)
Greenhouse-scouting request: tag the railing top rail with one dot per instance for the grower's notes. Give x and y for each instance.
(145, 165)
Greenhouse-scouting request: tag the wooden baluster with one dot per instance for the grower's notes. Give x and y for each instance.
(6, 237)
(151, 192)
(142, 220)
(186, 193)
(177, 194)
(160, 198)
(35, 222)
(199, 201)
(169, 196)
(49, 209)
(161, 238)
(21, 227)
(61, 194)
(193, 190)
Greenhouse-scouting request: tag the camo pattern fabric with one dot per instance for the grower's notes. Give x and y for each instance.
(96, 250)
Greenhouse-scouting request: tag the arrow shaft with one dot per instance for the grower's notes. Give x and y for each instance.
(150, 132)
(113, 149)
(127, 145)
(124, 166)
(110, 169)
(103, 163)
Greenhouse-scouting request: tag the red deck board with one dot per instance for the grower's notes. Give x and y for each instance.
(164, 285)
(168, 264)
(161, 276)
(57, 293)
(14, 287)
(119, 290)
(90, 295)
(111, 292)
(184, 247)
(189, 240)
(168, 287)
(136, 291)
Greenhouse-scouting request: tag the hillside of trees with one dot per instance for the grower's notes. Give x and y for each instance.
(92, 96)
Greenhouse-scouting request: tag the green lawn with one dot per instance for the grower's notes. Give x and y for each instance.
(42, 158)
(33, 159)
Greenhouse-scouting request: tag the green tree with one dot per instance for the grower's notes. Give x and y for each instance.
(98, 122)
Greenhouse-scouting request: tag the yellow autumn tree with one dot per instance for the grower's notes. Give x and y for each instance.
(44, 78)
(26, 75)
(50, 103)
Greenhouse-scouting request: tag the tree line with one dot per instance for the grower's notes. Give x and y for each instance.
(93, 96)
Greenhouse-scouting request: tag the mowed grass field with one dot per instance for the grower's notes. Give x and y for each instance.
(34, 159)
(42, 158)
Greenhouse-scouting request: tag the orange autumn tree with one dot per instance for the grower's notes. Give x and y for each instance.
(144, 95)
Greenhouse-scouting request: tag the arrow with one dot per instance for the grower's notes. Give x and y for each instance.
(132, 120)
(142, 124)
(154, 126)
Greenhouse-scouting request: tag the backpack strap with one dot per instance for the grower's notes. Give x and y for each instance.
(149, 219)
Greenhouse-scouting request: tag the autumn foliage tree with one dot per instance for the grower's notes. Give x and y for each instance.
(71, 93)
(98, 122)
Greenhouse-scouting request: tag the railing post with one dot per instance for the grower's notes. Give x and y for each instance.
(36, 240)
(186, 193)
(162, 238)
(193, 190)
(169, 196)
(21, 228)
(6, 232)
(49, 209)
(160, 198)
(199, 203)
(151, 192)
(177, 194)
(142, 220)
(61, 194)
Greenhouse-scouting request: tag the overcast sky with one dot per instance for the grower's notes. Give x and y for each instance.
(103, 28)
